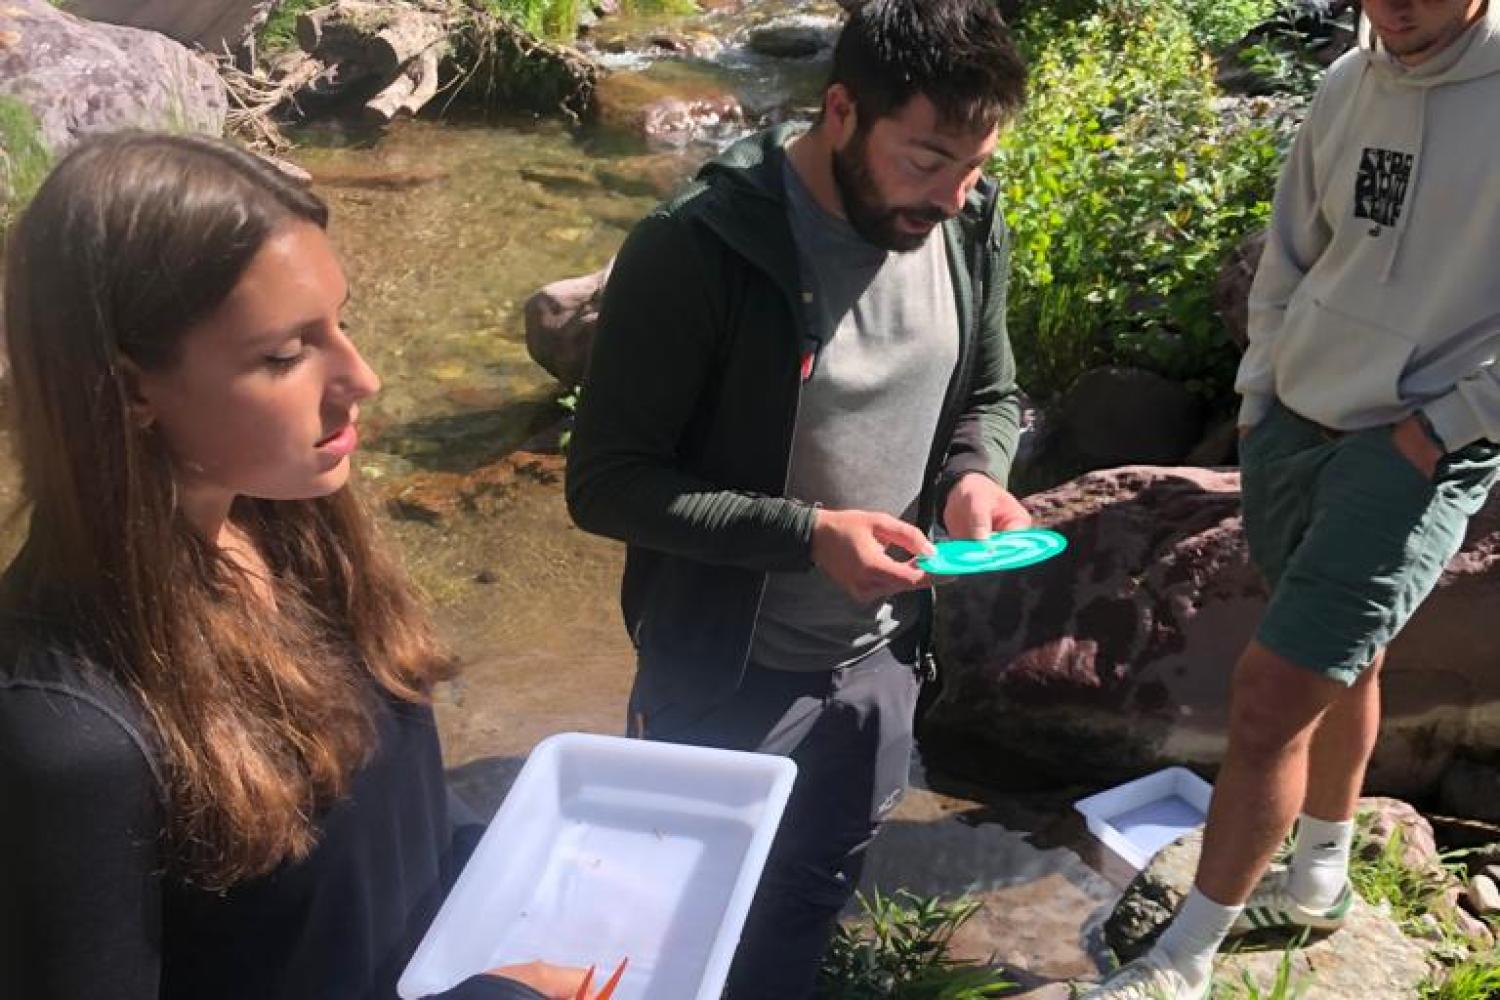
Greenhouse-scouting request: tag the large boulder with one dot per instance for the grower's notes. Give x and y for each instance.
(1121, 416)
(212, 25)
(1232, 289)
(560, 322)
(80, 76)
(1368, 957)
(1114, 658)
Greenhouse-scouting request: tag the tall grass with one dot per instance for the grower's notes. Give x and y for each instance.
(1476, 979)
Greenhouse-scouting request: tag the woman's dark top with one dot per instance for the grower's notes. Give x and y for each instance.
(86, 910)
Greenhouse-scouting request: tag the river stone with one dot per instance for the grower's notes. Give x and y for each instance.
(1125, 416)
(212, 25)
(1113, 659)
(793, 37)
(1385, 818)
(1484, 896)
(664, 112)
(654, 175)
(1368, 957)
(80, 76)
(560, 323)
(1450, 908)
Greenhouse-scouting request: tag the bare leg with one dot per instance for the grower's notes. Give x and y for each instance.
(1275, 708)
(1341, 749)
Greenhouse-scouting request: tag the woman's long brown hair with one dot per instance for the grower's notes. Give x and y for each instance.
(260, 718)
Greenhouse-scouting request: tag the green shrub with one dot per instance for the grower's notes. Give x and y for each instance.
(1217, 23)
(24, 161)
(1125, 187)
(279, 33)
(899, 951)
(1214, 23)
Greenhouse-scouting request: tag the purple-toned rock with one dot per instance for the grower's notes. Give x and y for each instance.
(1387, 818)
(1114, 658)
(212, 25)
(79, 76)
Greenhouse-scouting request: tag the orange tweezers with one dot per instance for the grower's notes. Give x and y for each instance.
(609, 987)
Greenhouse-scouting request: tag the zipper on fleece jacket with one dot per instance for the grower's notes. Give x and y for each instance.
(947, 417)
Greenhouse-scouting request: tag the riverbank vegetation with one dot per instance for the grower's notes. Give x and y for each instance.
(1128, 180)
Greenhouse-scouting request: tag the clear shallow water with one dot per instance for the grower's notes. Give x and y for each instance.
(446, 228)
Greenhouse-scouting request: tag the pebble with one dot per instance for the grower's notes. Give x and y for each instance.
(1484, 896)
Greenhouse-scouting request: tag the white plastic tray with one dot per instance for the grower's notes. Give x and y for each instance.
(1140, 817)
(610, 848)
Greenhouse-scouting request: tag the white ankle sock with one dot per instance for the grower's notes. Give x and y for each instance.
(1193, 937)
(1320, 861)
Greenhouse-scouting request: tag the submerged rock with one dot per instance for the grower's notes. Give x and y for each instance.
(794, 37)
(79, 76)
(664, 112)
(1114, 658)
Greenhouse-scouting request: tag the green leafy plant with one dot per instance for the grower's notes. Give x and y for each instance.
(568, 403)
(1214, 23)
(279, 33)
(1217, 23)
(1283, 57)
(1476, 979)
(899, 951)
(1126, 185)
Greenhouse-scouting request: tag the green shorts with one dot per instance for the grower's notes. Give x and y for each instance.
(1351, 537)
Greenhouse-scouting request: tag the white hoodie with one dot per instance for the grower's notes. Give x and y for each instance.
(1379, 291)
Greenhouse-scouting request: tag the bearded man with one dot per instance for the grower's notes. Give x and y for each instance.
(801, 368)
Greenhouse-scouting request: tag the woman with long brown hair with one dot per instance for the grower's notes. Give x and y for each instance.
(219, 771)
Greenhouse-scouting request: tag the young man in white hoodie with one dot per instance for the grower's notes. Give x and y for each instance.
(1369, 432)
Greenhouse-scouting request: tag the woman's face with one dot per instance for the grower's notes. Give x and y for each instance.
(264, 398)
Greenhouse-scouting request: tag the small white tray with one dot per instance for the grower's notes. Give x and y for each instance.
(610, 848)
(1140, 817)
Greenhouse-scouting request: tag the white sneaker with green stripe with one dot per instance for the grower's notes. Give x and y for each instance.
(1272, 907)
(1143, 979)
